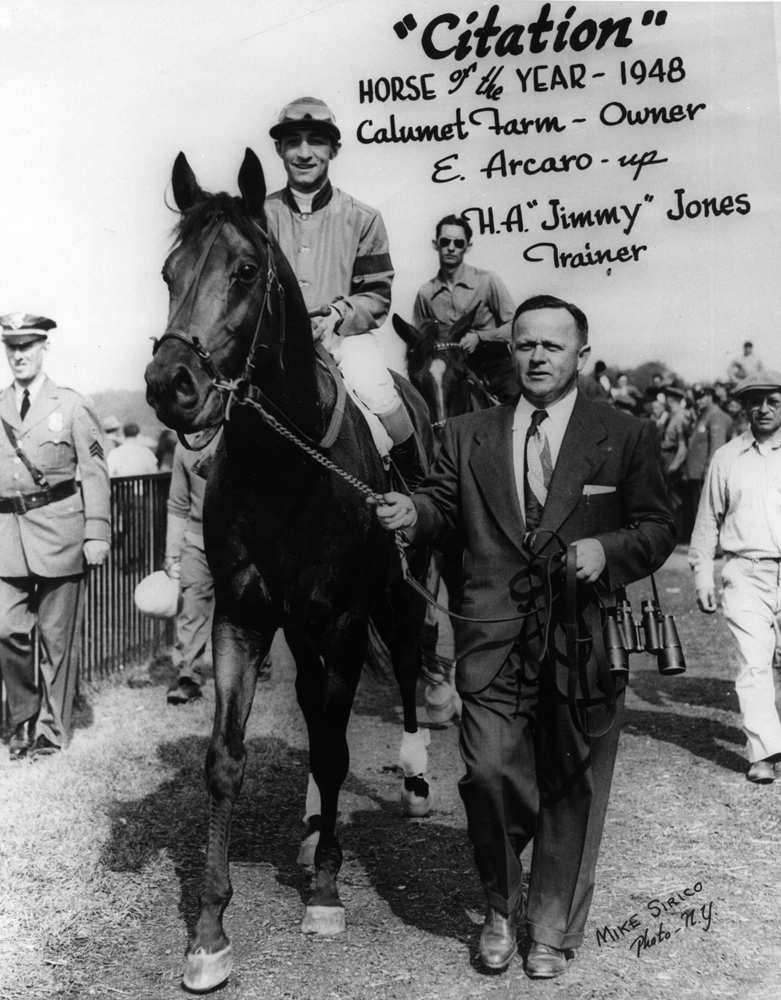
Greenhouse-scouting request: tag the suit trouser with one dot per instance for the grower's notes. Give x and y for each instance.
(531, 774)
(194, 624)
(56, 606)
(751, 605)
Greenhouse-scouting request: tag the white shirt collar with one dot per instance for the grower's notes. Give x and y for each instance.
(304, 201)
(555, 426)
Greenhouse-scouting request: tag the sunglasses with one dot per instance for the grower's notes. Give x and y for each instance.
(444, 242)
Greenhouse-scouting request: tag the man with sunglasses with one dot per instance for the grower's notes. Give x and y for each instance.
(739, 508)
(459, 287)
(338, 250)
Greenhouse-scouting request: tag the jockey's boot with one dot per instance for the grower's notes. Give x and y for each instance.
(408, 462)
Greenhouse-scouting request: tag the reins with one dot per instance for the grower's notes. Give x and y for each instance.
(242, 392)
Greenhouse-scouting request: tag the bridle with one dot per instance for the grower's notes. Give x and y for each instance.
(243, 391)
(471, 378)
(227, 387)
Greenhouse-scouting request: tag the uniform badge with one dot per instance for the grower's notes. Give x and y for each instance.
(56, 421)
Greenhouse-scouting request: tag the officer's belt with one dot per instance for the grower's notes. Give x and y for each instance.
(20, 503)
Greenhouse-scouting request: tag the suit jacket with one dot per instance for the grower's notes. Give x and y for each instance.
(708, 434)
(471, 495)
(60, 434)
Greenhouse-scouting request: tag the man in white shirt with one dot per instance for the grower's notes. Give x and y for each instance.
(131, 458)
(739, 508)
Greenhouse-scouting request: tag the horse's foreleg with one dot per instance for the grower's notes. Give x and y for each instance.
(310, 693)
(408, 611)
(237, 657)
(442, 699)
(325, 693)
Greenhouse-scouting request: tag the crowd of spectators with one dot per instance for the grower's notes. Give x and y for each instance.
(692, 421)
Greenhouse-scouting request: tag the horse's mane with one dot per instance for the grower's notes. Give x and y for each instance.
(209, 206)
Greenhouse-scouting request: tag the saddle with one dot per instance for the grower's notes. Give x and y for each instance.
(328, 368)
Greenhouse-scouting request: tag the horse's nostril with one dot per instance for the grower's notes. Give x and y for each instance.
(184, 384)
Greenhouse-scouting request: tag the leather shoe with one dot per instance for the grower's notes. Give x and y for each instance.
(761, 772)
(22, 740)
(498, 943)
(43, 747)
(185, 689)
(545, 962)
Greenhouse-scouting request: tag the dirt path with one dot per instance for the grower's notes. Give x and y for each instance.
(101, 852)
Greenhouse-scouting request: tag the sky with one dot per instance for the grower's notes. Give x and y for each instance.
(96, 100)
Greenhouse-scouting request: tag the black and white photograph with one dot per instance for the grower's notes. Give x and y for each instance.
(390, 499)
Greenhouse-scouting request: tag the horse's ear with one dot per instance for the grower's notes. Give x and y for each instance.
(252, 185)
(462, 325)
(186, 190)
(406, 331)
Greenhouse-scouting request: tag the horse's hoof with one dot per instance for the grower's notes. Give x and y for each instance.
(204, 972)
(324, 920)
(306, 853)
(440, 702)
(416, 796)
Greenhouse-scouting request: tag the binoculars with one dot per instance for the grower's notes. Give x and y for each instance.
(655, 633)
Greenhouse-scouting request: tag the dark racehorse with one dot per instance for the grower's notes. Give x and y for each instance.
(439, 369)
(290, 543)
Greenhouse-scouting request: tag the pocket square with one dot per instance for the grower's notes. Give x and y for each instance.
(591, 490)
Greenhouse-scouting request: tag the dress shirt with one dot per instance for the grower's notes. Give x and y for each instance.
(740, 505)
(471, 287)
(34, 388)
(554, 429)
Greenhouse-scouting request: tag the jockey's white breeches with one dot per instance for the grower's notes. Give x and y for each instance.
(360, 362)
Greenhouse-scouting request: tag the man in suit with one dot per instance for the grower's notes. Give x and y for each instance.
(505, 480)
(50, 529)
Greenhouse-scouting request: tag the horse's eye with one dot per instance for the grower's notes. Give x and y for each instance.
(247, 271)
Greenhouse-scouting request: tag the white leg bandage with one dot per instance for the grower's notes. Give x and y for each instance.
(413, 756)
(312, 807)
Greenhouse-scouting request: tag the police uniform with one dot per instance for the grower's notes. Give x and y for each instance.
(45, 519)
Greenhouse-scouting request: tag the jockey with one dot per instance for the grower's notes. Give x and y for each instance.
(338, 250)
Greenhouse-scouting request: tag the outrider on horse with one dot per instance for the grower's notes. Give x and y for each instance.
(291, 544)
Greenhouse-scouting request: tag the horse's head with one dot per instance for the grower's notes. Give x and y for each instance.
(438, 366)
(224, 301)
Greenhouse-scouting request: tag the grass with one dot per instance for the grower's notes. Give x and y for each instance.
(101, 850)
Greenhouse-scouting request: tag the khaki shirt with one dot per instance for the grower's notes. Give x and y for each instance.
(60, 435)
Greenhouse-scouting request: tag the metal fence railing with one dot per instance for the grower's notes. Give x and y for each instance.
(116, 634)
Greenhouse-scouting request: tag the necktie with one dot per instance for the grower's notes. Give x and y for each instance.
(538, 469)
(25, 404)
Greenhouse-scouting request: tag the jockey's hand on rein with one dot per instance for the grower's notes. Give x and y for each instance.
(323, 324)
(398, 511)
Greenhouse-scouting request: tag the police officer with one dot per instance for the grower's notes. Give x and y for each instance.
(51, 528)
